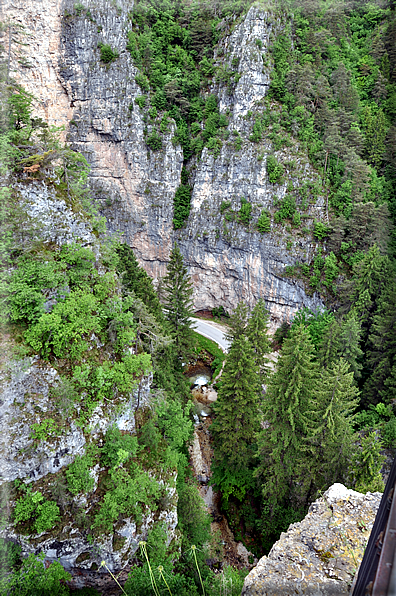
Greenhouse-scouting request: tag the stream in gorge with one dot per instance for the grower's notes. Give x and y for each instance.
(201, 455)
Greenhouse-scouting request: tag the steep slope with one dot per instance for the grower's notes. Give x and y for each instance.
(135, 186)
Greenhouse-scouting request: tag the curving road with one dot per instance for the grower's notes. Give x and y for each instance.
(211, 332)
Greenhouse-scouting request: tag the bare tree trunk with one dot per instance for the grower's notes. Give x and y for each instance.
(325, 168)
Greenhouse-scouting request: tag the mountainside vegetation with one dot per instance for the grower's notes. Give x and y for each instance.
(314, 406)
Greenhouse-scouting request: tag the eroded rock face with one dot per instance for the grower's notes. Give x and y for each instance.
(135, 186)
(320, 555)
(25, 400)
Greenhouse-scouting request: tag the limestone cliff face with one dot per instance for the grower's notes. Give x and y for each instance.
(320, 555)
(135, 186)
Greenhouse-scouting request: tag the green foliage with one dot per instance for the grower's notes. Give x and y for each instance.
(330, 417)
(367, 465)
(181, 204)
(33, 508)
(173, 48)
(334, 95)
(316, 323)
(274, 170)
(107, 55)
(236, 420)
(10, 555)
(131, 490)
(259, 126)
(34, 578)
(141, 101)
(136, 280)
(321, 231)
(245, 212)
(79, 479)
(45, 430)
(178, 304)
(282, 458)
(154, 141)
(224, 206)
(116, 445)
(287, 209)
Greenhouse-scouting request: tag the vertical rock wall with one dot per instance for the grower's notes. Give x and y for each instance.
(135, 186)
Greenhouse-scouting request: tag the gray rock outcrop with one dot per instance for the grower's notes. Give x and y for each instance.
(25, 400)
(320, 555)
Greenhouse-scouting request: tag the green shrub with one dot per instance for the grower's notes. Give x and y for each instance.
(321, 230)
(34, 508)
(224, 206)
(264, 223)
(116, 443)
(287, 209)
(141, 101)
(245, 212)
(331, 270)
(154, 141)
(44, 430)
(36, 578)
(389, 433)
(220, 312)
(274, 170)
(214, 145)
(79, 479)
(296, 219)
(107, 55)
(79, 8)
(143, 82)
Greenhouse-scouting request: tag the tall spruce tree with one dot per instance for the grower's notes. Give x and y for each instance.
(237, 406)
(135, 279)
(382, 349)
(257, 334)
(367, 465)
(328, 347)
(330, 435)
(349, 344)
(282, 449)
(178, 307)
(152, 329)
(237, 322)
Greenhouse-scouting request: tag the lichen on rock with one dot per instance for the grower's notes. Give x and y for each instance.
(320, 555)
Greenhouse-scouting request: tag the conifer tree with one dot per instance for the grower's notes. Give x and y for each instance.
(178, 307)
(382, 344)
(349, 344)
(237, 407)
(237, 322)
(368, 464)
(328, 348)
(134, 278)
(329, 421)
(283, 468)
(257, 333)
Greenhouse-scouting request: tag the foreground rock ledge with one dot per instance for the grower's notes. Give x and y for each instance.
(320, 555)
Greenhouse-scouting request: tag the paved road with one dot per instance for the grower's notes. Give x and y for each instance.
(214, 333)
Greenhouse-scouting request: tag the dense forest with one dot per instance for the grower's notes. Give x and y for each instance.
(325, 414)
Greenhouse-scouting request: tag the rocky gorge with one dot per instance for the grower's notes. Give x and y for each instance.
(89, 421)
